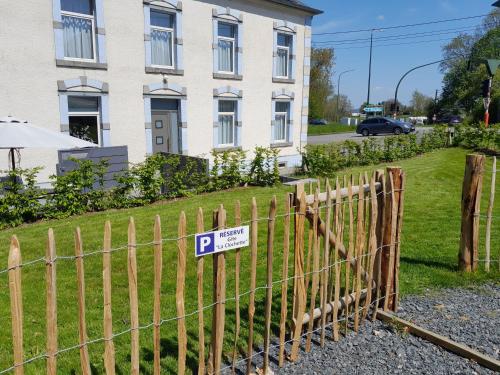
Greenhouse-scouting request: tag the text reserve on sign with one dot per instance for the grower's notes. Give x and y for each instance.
(222, 240)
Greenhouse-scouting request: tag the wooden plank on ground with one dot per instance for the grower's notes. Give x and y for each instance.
(50, 272)
(453, 346)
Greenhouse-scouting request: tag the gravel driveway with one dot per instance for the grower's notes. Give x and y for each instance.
(470, 316)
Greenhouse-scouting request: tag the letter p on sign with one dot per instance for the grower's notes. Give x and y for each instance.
(205, 244)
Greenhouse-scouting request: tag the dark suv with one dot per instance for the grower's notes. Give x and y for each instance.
(380, 125)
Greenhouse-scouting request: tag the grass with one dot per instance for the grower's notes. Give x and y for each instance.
(430, 240)
(330, 128)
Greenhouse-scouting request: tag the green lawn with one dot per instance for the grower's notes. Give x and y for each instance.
(430, 241)
(331, 128)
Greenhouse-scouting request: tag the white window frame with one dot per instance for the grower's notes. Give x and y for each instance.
(91, 114)
(87, 17)
(163, 29)
(276, 115)
(287, 49)
(233, 124)
(227, 39)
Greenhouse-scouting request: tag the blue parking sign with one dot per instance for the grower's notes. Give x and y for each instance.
(205, 244)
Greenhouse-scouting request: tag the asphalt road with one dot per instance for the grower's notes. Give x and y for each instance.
(339, 137)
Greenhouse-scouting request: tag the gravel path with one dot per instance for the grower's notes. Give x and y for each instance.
(470, 316)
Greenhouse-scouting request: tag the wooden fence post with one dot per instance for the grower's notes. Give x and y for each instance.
(326, 261)
(315, 268)
(380, 177)
(82, 323)
(253, 275)
(158, 267)
(237, 219)
(219, 296)
(200, 228)
(16, 304)
(109, 347)
(133, 296)
(179, 295)
(50, 262)
(391, 236)
(269, 284)
(489, 215)
(471, 201)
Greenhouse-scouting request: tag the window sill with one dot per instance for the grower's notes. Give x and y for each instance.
(228, 148)
(281, 144)
(283, 80)
(81, 64)
(234, 77)
(154, 70)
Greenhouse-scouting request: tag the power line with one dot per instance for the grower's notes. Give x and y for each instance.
(396, 44)
(402, 26)
(399, 36)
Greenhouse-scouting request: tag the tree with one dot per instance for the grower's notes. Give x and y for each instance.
(420, 103)
(463, 76)
(345, 107)
(321, 87)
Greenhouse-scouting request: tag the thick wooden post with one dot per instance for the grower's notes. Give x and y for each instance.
(200, 228)
(379, 230)
(133, 296)
(237, 222)
(179, 295)
(158, 267)
(471, 201)
(109, 346)
(253, 276)
(489, 215)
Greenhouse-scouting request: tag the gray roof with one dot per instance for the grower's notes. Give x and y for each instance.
(297, 5)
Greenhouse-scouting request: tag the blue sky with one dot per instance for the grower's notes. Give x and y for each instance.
(391, 62)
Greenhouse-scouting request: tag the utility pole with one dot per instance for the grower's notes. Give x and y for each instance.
(338, 91)
(370, 68)
(434, 116)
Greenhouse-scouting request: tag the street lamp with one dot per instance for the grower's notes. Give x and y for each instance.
(338, 89)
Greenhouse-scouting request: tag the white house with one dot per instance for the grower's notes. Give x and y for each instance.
(158, 75)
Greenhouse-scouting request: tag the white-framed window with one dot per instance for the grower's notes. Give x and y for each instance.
(281, 118)
(78, 20)
(85, 118)
(226, 41)
(284, 49)
(162, 38)
(227, 119)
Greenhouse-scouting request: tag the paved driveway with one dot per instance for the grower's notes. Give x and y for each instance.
(328, 138)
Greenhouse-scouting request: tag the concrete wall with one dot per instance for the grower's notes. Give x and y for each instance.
(29, 75)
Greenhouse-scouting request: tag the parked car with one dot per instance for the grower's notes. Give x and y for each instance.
(381, 125)
(451, 120)
(318, 122)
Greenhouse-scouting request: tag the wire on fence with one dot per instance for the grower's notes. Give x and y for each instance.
(206, 307)
(164, 240)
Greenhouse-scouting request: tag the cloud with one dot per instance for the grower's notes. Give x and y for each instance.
(381, 17)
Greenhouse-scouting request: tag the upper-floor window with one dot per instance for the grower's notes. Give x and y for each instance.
(78, 20)
(284, 50)
(162, 39)
(227, 118)
(227, 45)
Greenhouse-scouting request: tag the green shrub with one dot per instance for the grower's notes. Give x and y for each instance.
(228, 169)
(264, 169)
(478, 137)
(78, 191)
(19, 198)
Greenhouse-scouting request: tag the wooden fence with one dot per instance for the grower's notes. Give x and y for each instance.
(472, 192)
(344, 246)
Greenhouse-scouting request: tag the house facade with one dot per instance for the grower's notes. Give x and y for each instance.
(185, 76)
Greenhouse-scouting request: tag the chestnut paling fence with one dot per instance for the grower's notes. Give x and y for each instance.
(337, 257)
